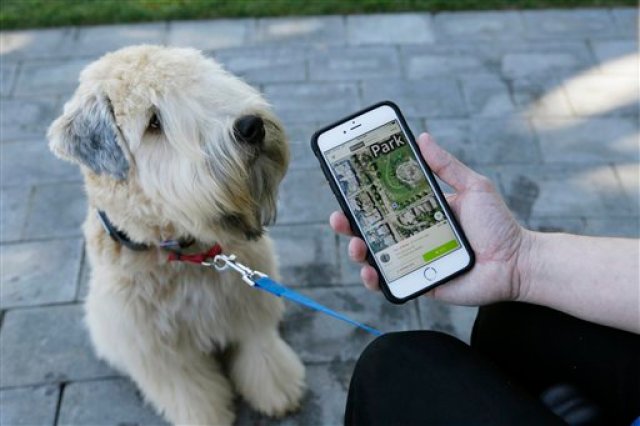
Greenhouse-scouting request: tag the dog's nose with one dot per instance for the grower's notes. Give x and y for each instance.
(250, 129)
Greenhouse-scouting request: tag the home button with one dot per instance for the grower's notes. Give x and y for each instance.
(430, 274)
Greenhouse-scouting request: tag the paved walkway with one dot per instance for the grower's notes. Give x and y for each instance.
(543, 102)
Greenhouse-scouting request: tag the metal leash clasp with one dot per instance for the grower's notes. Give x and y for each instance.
(222, 262)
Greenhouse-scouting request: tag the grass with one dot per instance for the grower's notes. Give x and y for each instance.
(52, 13)
(397, 190)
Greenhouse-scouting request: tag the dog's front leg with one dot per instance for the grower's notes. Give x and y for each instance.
(268, 374)
(182, 383)
(187, 388)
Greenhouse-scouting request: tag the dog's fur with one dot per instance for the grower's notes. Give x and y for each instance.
(156, 321)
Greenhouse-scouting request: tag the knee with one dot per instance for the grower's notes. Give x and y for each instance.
(398, 370)
(392, 342)
(405, 348)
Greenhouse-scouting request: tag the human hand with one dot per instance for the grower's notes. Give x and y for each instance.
(495, 236)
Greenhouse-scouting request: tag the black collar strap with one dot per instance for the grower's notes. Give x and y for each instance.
(122, 238)
(118, 235)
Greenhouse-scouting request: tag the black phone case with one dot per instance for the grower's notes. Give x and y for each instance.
(345, 208)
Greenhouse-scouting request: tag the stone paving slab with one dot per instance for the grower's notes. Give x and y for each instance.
(14, 204)
(299, 135)
(478, 25)
(617, 58)
(47, 345)
(627, 21)
(98, 40)
(436, 97)
(207, 35)
(489, 55)
(567, 24)
(25, 44)
(598, 227)
(309, 31)
(28, 277)
(558, 190)
(301, 155)
(587, 141)
(487, 96)
(616, 227)
(504, 141)
(307, 255)
(540, 64)
(31, 162)
(27, 118)
(607, 50)
(354, 63)
(629, 177)
(266, 64)
(102, 402)
(8, 74)
(416, 28)
(454, 320)
(312, 102)
(305, 197)
(594, 95)
(540, 99)
(421, 63)
(29, 406)
(51, 77)
(66, 198)
(319, 338)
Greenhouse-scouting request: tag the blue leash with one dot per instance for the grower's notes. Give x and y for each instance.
(264, 283)
(270, 286)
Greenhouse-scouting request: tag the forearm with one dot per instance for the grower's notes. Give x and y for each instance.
(596, 279)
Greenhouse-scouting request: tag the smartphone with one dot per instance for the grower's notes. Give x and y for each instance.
(393, 201)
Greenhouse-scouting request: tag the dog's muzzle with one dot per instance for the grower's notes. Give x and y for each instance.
(250, 129)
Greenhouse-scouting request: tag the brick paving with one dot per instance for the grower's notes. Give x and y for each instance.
(543, 102)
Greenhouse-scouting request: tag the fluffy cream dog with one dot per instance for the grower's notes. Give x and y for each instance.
(172, 147)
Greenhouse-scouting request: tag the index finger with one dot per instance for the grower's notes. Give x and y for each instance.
(340, 223)
(445, 165)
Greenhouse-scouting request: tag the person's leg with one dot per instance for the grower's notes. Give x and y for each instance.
(426, 377)
(540, 348)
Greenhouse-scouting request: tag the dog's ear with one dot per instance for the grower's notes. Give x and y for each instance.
(87, 134)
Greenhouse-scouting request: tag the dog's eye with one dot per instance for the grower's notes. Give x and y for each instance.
(154, 123)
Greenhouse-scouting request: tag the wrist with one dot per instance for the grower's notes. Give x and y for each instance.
(526, 264)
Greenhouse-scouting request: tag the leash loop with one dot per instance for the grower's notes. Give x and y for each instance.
(223, 262)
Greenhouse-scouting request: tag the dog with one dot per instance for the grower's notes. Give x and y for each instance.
(174, 148)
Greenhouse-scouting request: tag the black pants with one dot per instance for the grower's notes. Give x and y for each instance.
(517, 352)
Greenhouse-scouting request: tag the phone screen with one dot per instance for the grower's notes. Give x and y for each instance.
(392, 200)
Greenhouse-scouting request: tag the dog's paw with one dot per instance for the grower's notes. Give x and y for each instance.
(270, 378)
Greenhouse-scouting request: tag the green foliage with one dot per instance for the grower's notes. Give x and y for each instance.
(51, 13)
(397, 190)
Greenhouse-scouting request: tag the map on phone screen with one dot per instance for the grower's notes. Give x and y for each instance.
(391, 199)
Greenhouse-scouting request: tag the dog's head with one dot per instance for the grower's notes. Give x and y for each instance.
(171, 143)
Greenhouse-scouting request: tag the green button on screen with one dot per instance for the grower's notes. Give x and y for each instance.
(439, 251)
